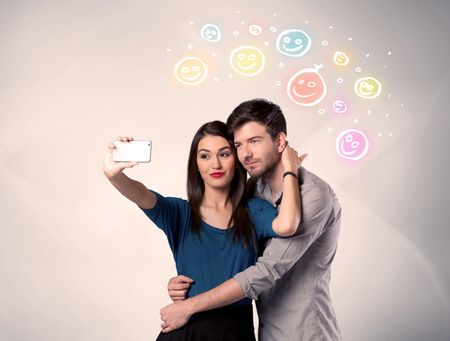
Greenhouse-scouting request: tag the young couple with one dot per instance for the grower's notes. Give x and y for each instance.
(217, 234)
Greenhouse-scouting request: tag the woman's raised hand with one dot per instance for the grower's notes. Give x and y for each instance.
(112, 168)
(290, 159)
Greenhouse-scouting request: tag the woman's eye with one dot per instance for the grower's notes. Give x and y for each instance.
(204, 156)
(225, 154)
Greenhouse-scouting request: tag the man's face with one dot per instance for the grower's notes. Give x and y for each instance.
(256, 150)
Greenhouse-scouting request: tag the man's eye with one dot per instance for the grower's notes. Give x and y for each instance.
(253, 141)
(237, 146)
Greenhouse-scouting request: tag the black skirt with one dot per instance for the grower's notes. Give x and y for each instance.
(229, 323)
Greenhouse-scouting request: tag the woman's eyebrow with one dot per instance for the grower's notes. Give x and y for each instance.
(208, 151)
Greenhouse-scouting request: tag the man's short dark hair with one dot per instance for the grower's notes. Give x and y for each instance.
(259, 110)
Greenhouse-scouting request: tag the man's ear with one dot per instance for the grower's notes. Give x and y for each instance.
(281, 142)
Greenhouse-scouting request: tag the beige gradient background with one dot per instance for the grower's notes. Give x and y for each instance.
(80, 262)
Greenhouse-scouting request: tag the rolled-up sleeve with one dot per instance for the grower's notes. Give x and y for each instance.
(320, 209)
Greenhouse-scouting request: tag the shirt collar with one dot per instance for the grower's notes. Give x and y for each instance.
(263, 191)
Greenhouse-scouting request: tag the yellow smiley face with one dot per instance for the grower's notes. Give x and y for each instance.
(340, 58)
(247, 61)
(191, 71)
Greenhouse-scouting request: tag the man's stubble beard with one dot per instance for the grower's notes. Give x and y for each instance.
(271, 161)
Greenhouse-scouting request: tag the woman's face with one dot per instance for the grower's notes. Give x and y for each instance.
(215, 161)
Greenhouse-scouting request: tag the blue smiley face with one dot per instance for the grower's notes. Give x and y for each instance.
(293, 43)
(211, 33)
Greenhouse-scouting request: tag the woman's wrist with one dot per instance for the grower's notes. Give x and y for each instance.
(290, 173)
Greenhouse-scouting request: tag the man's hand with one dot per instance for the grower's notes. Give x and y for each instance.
(175, 316)
(178, 287)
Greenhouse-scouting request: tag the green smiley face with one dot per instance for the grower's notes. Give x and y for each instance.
(368, 87)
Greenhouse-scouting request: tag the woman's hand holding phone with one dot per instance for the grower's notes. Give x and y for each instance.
(112, 168)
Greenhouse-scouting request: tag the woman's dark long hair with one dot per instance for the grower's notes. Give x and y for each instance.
(240, 219)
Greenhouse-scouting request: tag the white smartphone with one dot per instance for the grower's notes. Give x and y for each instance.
(135, 151)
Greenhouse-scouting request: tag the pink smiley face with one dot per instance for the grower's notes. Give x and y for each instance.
(339, 107)
(352, 144)
(306, 87)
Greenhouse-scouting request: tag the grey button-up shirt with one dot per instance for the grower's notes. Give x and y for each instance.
(290, 281)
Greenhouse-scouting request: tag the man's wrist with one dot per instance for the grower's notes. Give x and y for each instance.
(192, 305)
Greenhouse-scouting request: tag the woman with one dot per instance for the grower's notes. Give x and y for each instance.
(213, 235)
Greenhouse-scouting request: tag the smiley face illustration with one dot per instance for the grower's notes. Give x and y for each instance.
(307, 87)
(293, 43)
(340, 58)
(191, 71)
(211, 33)
(339, 106)
(368, 87)
(352, 144)
(247, 61)
(255, 30)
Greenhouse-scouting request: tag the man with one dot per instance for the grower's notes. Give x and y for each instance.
(290, 281)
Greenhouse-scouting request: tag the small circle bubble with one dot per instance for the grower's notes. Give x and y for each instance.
(281, 65)
(190, 46)
(273, 29)
(278, 83)
(330, 130)
(324, 43)
(235, 33)
(321, 111)
(340, 80)
(358, 69)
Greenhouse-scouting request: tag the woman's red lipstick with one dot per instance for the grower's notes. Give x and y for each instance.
(217, 174)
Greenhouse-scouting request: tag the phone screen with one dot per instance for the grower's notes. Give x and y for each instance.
(134, 151)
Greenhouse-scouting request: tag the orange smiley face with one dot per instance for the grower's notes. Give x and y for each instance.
(306, 87)
(191, 71)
